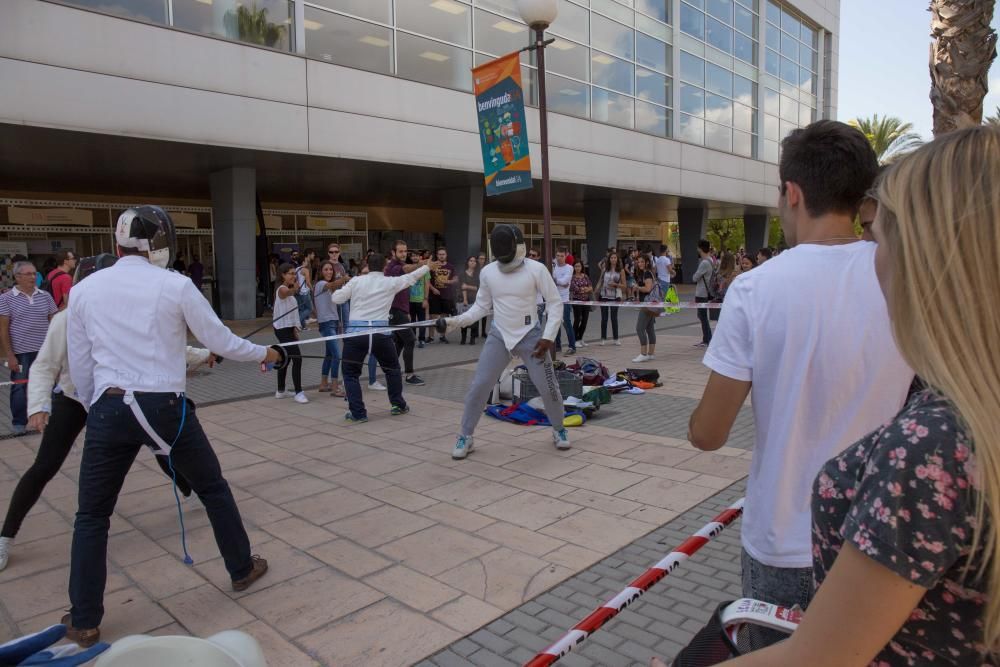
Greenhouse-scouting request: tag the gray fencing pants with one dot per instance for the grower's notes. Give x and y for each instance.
(494, 360)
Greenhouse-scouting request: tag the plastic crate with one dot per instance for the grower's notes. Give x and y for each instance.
(569, 385)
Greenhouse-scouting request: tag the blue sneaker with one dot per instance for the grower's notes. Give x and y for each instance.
(351, 419)
(462, 447)
(560, 439)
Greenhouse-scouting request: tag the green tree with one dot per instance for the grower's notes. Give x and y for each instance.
(251, 25)
(726, 234)
(889, 136)
(775, 234)
(964, 45)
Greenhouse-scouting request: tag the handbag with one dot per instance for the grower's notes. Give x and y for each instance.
(654, 296)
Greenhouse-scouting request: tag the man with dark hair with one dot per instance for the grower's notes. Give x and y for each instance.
(706, 266)
(60, 279)
(442, 286)
(399, 313)
(664, 269)
(562, 274)
(808, 333)
(764, 254)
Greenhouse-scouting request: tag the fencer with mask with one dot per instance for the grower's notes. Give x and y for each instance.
(508, 288)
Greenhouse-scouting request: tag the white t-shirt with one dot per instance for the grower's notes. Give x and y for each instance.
(811, 330)
(663, 267)
(562, 275)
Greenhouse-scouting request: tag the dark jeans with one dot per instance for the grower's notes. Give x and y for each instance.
(65, 423)
(305, 307)
(331, 361)
(417, 315)
(471, 330)
(112, 443)
(785, 586)
(580, 316)
(403, 338)
(19, 392)
(382, 348)
(287, 335)
(706, 328)
(613, 312)
(568, 325)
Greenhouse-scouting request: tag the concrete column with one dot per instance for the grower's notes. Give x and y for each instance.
(601, 216)
(234, 214)
(463, 223)
(755, 231)
(691, 225)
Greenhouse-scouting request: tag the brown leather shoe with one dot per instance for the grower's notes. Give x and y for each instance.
(85, 638)
(258, 571)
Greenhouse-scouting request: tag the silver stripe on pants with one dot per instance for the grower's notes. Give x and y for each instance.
(494, 360)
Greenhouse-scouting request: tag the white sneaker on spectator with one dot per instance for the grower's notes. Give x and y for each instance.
(376, 385)
(618, 342)
(5, 545)
(581, 343)
(641, 358)
(301, 397)
(284, 394)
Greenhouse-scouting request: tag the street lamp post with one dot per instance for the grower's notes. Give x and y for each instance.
(539, 15)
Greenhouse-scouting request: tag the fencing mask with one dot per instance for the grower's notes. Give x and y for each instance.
(149, 229)
(507, 243)
(89, 265)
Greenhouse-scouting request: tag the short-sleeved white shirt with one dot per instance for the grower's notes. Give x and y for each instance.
(811, 331)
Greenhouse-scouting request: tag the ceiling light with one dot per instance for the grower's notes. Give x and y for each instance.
(602, 59)
(309, 24)
(507, 26)
(563, 45)
(449, 6)
(374, 41)
(435, 56)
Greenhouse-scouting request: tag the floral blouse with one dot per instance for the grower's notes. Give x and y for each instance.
(578, 288)
(905, 497)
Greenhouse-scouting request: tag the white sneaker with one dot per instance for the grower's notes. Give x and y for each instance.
(462, 447)
(604, 342)
(301, 397)
(618, 343)
(639, 359)
(650, 357)
(284, 394)
(5, 545)
(560, 438)
(376, 385)
(581, 343)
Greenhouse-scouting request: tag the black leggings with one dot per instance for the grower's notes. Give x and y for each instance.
(65, 423)
(580, 316)
(417, 315)
(287, 335)
(611, 311)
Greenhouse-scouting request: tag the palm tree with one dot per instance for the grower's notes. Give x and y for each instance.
(963, 48)
(889, 136)
(994, 119)
(251, 25)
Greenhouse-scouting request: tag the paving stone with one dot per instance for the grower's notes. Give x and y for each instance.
(485, 658)
(491, 641)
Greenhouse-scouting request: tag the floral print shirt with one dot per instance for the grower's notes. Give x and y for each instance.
(905, 497)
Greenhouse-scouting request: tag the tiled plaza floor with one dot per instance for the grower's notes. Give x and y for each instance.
(383, 550)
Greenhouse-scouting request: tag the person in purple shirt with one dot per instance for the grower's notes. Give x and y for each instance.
(399, 313)
(196, 270)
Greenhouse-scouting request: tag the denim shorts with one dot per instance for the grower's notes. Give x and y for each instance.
(785, 586)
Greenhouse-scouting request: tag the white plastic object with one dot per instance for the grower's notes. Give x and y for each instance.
(231, 648)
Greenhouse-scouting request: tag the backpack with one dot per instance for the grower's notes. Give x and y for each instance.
(634, 375)
(47, 284)
(713, 284)
(591, 371)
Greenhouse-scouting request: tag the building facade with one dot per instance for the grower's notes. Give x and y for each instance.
(353, 120)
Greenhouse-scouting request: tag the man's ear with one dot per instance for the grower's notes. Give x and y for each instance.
(793, 195)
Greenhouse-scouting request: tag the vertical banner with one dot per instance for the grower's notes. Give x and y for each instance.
(503, 134)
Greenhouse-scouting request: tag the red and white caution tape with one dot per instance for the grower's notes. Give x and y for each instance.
(647, 304)
(633, 591)
(7, 384)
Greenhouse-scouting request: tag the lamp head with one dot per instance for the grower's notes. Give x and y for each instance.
(539, 14)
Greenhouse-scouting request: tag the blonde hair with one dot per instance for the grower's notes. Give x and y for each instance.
(940, 207)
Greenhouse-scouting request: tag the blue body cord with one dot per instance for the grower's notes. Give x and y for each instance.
(177, 498)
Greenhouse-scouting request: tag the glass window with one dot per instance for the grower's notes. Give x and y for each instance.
(613, 9)
(718, 35)
(718, 109)
(692, 68)
(572, 22)
(266, 23)
(498, 35)
(652, 86)
(718, 80)
(718, 137)
(786, 129)
(567, 58)
(144, 10)
(770, 127)
(433, 62)
(442, 19)
(805, 55)
(700, 4)
(805, 80)
(567, 96)
(771, 151)
(613, 108)
(655, 8)
(789, 109)
(376, 10)
(612, 37)
(746, 48)
(692, 129)
(743, 144)
(692, 21)
(746, 21)
(194, 16)
(805, 114)
(809, 36)
(749, 4)
(789, 71)
(789, 23)
(721, 9)
(742, 117)
(652, 52)
(743, 91)
(814, 61)
(611, 72)
(770, 101)
(651, 27)
(772, 62)
(692, 100)
(529, 83)
(773, 13)
(346, 41)
(652, 119)
(789, 46)
(772, 37)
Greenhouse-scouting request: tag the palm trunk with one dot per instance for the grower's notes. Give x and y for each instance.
(960, 56)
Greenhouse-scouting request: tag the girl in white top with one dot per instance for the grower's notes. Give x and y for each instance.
(286, 322)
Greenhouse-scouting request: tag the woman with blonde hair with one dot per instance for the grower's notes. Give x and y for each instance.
(905, 534)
